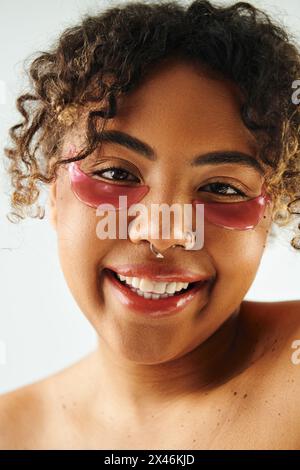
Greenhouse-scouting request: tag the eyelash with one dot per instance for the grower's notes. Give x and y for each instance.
(115, 168)
(238, 192)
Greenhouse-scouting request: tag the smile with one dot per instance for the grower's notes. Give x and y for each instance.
(153, 290)
(148, 296)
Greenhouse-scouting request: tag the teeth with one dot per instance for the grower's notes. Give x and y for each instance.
(135, 282)
(150, 289)
(179, 285)
(146, 285)
(149, 295)
(171, 287)
(160, 287)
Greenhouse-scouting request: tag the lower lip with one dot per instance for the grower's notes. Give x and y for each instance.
(153, 307)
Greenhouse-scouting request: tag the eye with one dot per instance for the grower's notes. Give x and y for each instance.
(223, 189)
(115, 173)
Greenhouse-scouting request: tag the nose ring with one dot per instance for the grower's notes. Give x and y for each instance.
(155, 251)
(189, 244)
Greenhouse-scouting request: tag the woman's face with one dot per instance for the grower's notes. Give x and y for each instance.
(180, 113)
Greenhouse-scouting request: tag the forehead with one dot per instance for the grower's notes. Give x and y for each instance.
(179, 99)
(185, 105)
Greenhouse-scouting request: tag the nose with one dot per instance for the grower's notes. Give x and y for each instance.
(161, 228)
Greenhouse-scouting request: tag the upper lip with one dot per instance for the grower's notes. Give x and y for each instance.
(158, 273)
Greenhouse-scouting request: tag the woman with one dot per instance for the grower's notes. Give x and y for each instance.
(197, 107)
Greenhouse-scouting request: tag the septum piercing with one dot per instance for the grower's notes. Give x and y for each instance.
(191, 242)
(156, 252)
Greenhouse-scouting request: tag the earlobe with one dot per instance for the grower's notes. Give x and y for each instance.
(52, 205)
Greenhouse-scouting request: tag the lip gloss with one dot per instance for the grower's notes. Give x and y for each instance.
(153, 307)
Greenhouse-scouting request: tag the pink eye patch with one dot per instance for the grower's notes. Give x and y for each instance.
(241, 215)
(93, 192)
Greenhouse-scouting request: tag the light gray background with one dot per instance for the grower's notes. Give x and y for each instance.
(41, 328)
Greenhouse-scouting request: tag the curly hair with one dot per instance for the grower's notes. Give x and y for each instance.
(108, 54)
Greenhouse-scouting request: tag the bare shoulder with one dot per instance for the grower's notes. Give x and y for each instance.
(275, 373)
(277, 326)
(282, 316)
(21, 413)
(38, 415)
(275, 331)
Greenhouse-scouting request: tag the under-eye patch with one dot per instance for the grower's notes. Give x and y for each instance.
(242, 215)
(93, 191)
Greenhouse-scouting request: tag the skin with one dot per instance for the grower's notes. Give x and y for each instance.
(217, 376)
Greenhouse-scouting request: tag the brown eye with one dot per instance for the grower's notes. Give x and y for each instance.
(116, 174)
(222, 189)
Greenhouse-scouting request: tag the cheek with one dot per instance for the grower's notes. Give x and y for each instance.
(75, 222)
(237, 254)
(81, 252)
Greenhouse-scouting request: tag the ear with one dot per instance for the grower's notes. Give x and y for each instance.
(52, 205)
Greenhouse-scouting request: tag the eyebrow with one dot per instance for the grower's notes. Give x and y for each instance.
(210, 158)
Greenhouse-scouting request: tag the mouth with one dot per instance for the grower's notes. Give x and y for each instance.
(152, 296)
